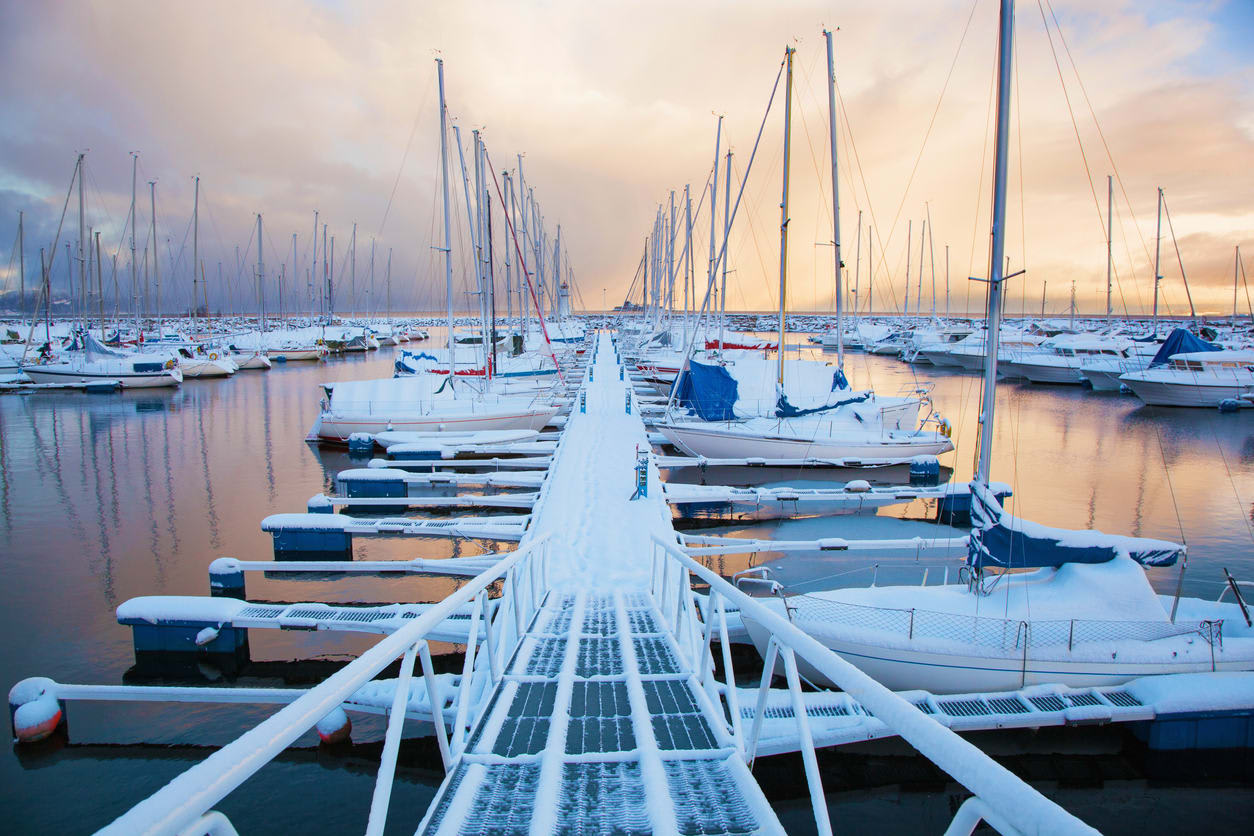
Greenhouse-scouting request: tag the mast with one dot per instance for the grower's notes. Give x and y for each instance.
(313, 269)
(83, 249)
(195, 242)
(134, 264)
(1005, 45)
(21, 267)
(100, 288)
(918, 296)
(508, 209)
(931, 258)
(783, 213)
(831, 127)
(261, 279)
(718, 139)
(909, 235)
(1236, 267)
(1110, 205)
(688, 256)
(389, 291)
(370, 312)
(1158, 245)
(946, 282)
(857, 271)
(352, 270)
(156, 255)
(448, 235)
(722, 295)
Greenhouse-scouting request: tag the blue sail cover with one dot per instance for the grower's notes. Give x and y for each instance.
(1180, 341)
(1003, 541)
(783, 409)
(708, 390)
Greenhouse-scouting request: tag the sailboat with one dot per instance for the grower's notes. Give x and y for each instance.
(430, 402)
(1039, 604)
(828, 421)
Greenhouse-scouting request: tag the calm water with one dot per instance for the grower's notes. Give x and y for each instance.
(104, 498)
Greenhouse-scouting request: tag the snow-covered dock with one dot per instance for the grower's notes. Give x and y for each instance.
(332, 534)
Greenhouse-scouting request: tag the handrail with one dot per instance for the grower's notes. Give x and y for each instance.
(190, 795)
(1005, 794)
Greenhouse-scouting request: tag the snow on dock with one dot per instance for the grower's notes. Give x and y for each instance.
(600, 725)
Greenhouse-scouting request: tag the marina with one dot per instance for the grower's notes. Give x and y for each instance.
(286, 553)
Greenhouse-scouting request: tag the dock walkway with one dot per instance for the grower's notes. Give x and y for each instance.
(598, 723)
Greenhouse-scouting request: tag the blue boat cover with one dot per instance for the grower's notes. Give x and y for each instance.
(708, 390)
(1003, 541)
(1180, 341)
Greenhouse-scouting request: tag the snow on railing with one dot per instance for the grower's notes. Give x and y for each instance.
(1004, 799)
(185, 802)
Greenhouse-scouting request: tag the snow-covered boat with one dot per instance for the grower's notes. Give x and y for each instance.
(100, 363)
(427, 403)
(817, 416)
(1079, 610)
(1189, 372)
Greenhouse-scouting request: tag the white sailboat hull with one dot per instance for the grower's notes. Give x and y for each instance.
(726, 441)
(292, 355)
(65, 374)
(332, 427)
(903, 668)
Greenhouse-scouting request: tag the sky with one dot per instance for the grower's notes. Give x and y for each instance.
(288, 107)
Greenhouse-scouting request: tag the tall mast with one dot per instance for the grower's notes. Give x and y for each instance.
(313, 269)
(1110, 205)
(21, 266)
(931, 258)
(83, 246)
(722, 294)
(261, 278)
(857, 273)
(370, 311)
(1236, 266)
(718, 138)
(1158, 245)
(783, 213)
(156, 255)
(909, 235)
(195, 242)
(946, 282)
(389, 290)
(448, 235)
(831, 126)
(100, 288)
(1005, 45)
(510, 224)
(918, 296)
(352, 271)
(688, 256)
(134, 264)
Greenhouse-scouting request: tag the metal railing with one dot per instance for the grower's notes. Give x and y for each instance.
(996, 633)
(1004, 799)
(183, 806)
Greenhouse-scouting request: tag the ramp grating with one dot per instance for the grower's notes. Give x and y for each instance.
(526, 729)
(642, 621)
(1007, 705)
(654, 656)
(546, 657)
(963, 708)
(600, 719)
(502, 806)
(677, 721)
(601, 621)
(599, 657)
(1122, 699)
(602, 799)
(707, 799)
(1049, 702)
(1083, 698)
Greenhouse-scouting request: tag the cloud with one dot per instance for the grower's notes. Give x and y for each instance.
(287, 107)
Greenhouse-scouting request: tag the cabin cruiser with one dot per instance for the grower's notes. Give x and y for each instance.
(1059, 359)
(1197, 378)
(1038, 605)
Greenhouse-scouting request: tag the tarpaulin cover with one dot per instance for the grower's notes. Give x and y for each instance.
(1007, 542)
(1180, 342)
(707, 390)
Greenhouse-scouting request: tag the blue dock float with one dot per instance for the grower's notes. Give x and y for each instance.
(328, 536)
